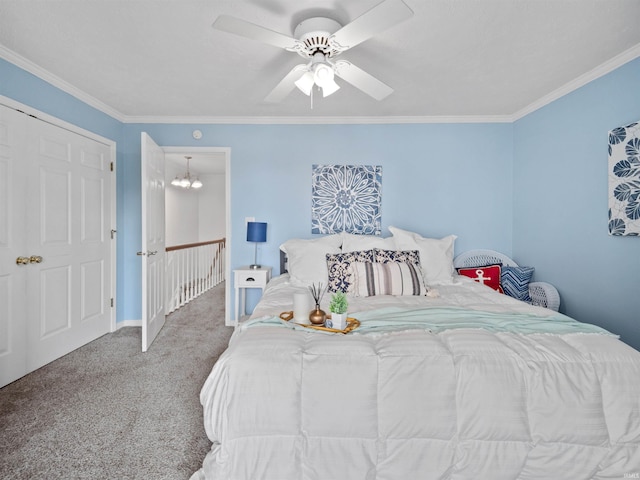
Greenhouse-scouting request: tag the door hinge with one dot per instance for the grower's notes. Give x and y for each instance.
(111, 166)
(112, 303)
(113, 232)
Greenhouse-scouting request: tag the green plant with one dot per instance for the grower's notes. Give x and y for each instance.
(338, 303)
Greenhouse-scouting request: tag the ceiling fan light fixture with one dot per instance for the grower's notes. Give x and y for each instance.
(321, 39)
(330, 87)
(305, 83)
(322, 74)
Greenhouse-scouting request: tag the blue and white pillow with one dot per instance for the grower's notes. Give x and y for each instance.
(339, 268)
(515, 282)
(395, 256)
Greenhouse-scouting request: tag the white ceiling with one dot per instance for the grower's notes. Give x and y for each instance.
(144, 59)
(199, 163)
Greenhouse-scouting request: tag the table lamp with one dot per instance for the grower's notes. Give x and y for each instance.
(257, 233)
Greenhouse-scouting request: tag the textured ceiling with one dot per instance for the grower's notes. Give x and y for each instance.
(153, 59)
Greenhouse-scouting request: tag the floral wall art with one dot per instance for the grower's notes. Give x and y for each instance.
(346, 198)
(624, 180)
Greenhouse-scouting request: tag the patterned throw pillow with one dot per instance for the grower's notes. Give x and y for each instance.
(391, 278)
(489, 275)
(339, 267)
(515, 282)
(404, 256)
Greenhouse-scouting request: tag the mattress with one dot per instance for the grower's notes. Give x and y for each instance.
(465, 383)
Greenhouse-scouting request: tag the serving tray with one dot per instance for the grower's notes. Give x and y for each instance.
(352, 324)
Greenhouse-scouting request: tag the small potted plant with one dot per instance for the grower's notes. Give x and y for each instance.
(338, 308)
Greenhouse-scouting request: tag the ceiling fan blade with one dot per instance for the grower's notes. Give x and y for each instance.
(254, 32)
(362, 80)
(379, 18)
(286, 85)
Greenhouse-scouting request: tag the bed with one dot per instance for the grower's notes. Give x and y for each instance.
(457, 382)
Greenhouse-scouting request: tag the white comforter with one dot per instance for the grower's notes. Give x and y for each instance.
(460, 403)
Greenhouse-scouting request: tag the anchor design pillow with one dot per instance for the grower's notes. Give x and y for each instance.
(488, 275)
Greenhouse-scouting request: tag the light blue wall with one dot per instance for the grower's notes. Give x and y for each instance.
(560, 200)
(30, 90)
(437, 179)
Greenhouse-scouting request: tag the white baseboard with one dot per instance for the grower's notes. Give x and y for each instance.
(129, 323)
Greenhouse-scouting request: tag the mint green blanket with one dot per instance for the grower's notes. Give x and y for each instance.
(438, 319)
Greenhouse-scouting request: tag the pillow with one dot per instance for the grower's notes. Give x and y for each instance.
(352, 242)
(515, 282)
(307, 261)
(391, 278)
(436, 255)
(339, 268)
(404, 256)
(489, 275)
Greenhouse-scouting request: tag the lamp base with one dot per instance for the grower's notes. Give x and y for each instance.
(255, 267)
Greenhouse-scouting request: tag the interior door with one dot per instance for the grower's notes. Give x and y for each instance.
(55, 250)
(153, 240)
(68, 241)
(13, 253)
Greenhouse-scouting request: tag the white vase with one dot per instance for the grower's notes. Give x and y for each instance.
(338, 321)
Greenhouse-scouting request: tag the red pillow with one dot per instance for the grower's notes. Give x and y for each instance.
(488, 275)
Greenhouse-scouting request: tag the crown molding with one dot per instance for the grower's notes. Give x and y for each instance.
(607, 67)
(582, 80)
(321, 120)
(59, 83)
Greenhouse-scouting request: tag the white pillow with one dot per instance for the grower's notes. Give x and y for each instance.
(307, 262)
(355, 243)
(436, 255)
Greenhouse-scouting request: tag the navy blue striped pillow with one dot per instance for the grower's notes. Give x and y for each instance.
(515, 282)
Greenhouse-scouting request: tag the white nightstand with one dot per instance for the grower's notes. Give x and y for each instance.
(246, 277)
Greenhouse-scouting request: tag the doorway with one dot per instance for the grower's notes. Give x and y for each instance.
(209, 164)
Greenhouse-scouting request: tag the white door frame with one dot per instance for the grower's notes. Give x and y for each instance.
(227, 200)
(9, 102)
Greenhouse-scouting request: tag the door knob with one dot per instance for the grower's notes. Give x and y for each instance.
(22, 261)
(153, 253)
(35, 259)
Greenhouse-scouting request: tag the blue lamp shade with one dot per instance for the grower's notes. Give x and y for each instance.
(256, 232)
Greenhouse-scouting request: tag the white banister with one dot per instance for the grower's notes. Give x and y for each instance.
(192, 270)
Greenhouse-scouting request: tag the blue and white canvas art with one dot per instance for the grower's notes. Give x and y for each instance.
(624, 180)
(346, 198)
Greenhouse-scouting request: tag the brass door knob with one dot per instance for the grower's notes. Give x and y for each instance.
(35, 259)
(22, 261)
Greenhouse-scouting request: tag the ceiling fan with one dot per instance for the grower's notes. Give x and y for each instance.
(320, 40)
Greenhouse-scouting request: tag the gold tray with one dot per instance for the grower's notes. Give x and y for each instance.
(352, 324)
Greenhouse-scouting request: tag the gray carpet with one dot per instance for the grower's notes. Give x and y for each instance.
(109, 411)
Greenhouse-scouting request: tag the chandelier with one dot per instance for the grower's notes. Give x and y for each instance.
(186, 181)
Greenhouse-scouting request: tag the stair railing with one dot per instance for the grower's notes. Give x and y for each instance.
(192, 269)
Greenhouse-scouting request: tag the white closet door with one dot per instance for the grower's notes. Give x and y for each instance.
(59, 221)
(69, 229)
(13, 211)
